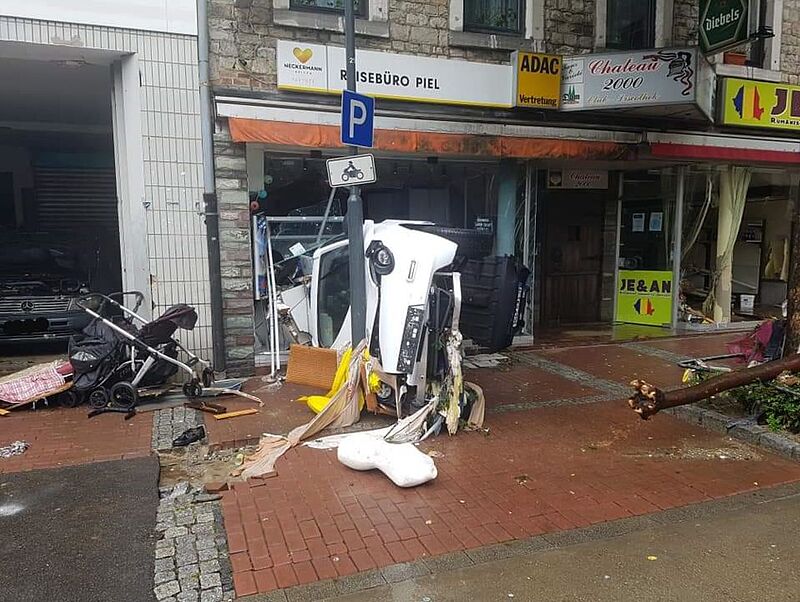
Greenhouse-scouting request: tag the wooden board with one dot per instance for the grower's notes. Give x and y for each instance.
(236, 413)
(312, 366)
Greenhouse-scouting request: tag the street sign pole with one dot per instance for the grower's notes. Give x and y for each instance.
(355, 212)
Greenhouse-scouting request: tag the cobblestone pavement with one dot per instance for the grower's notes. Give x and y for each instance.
(191, 553)
(169, 423)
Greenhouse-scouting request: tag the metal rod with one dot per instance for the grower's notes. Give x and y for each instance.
(526, 245)
(677, 243)
(301, 219)
(275, 360)
(617, 243)
(210, 211)
(355, 211)
(327, 213)
(534, 242)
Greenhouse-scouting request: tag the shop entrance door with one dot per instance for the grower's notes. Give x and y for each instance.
(572, 258)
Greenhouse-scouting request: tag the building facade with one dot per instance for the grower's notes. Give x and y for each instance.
(103, 120)
(588, 196)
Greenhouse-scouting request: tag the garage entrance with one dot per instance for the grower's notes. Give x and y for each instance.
(59, 225)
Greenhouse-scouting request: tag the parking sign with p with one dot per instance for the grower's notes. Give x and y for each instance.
(358, 118)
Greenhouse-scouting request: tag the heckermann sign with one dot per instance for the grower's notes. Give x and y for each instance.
(316, 68)
(723, 24)
(638, 78)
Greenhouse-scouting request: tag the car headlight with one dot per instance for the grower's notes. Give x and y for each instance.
(381, 258)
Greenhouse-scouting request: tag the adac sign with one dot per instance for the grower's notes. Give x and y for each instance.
(537, 80)
(644, 297)
(749, 103)
(723, 24)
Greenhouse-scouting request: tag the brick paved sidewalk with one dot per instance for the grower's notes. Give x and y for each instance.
(538, 471)
(563, 451)
(66, 437)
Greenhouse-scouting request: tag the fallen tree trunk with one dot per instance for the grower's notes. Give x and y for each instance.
(648, 399)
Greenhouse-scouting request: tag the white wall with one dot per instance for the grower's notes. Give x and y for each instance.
(173, 16)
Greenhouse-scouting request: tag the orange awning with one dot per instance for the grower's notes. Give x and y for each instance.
(425, 143)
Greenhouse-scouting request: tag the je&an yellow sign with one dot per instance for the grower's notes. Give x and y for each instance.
(760, 104)
(537, 80)
(644, 297)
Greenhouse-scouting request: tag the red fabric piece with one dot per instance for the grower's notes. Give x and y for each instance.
(753, 345)
(33, 383)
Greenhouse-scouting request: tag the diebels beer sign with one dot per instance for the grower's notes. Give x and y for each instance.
(723, 24)
(749, 103)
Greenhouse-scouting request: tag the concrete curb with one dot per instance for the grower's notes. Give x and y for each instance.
(523, 547)
(753, 434)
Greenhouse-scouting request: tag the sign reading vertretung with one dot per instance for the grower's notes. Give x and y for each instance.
(537, 80)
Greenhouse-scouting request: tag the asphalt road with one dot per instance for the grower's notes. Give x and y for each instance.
(748, 555)
(81, 534)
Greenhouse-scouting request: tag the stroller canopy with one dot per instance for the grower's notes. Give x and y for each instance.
(160, 330)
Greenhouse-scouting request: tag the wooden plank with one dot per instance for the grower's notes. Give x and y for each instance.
(211, 408)
(246, 412)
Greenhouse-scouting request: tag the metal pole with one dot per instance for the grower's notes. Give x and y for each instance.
(617, 244)
(355, 212)
(210, 210)
(677, 244)
(534, 243)
(526, 244)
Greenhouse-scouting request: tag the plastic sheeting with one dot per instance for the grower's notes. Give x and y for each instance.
(341, 411)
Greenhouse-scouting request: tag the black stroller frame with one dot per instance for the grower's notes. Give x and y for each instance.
(123, 395)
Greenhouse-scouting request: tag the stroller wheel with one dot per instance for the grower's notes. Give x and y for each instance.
(192, 389)
(98, 398)
(70, 399)
(208, 377)
(124, 395)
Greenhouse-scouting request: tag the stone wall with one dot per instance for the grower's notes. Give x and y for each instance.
(790, 42)
(685, 15)
(569, 26)
(235, 260)
(243, 38)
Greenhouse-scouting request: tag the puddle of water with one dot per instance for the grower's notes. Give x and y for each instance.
(10, 509)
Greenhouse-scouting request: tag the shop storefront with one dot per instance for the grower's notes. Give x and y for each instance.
(737, 199)
(458, 167)
(609, 201)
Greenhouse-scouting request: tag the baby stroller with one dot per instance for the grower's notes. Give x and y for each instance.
(120, 352)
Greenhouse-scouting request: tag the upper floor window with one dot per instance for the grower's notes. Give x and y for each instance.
(336, 6)
(631, 24)
(494, 16)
